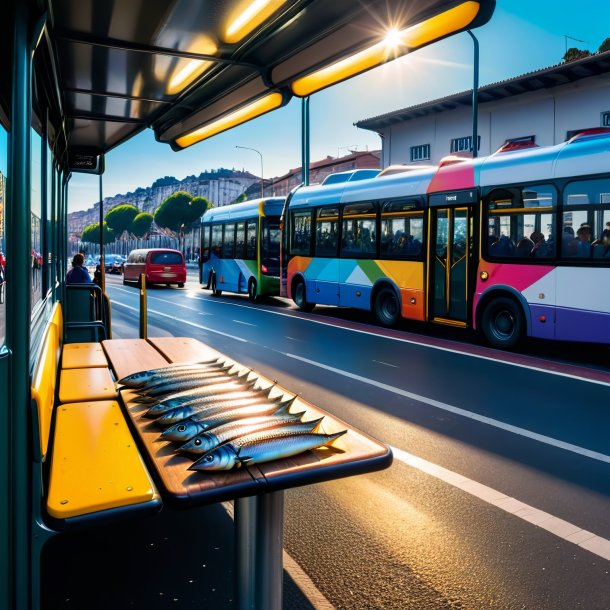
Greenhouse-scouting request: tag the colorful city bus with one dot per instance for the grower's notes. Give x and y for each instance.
(514, 244)
(240, 247)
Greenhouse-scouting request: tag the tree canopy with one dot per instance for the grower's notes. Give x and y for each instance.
(91, 233)
(572, 54)
(141, 224)
(176, 210)
(120, 218)
(604, 46)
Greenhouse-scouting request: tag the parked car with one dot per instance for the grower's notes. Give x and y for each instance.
(113, 263)
(161, 266)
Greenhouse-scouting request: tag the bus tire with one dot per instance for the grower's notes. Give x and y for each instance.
(180, 284)
(387, 307)
(252, 291)
(215, 292)
(502, 323)
(299, 296)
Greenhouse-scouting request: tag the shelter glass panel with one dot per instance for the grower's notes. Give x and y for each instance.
(36, 177)
(3, 173)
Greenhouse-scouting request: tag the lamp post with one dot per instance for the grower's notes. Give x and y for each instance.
(475, 96)
(261, 156)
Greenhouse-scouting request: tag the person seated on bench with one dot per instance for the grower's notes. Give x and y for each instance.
(79, 273)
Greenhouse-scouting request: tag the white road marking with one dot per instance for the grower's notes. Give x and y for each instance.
(563, 529)
(246, 323)
(417, 343)
(462, 412)
(298, 575)
(386, 364)
(189, 323)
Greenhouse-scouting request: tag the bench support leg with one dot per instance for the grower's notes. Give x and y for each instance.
(259, 541)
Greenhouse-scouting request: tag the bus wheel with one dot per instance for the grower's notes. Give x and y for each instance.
(502, 323)
(299, 296)
(252, 293)
(215, 292)
(387, 307)
(180, 284)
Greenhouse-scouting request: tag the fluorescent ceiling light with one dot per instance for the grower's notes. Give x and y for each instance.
(395, 44)
(261, 106)
(248, 17)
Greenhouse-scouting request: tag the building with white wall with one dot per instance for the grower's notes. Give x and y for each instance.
(547, 105)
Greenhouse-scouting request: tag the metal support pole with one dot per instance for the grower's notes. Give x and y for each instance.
(143, 310)
(261, 156)
(305, 141)
(269, 549)
(475, 96)
(245, 545)
(102, 263)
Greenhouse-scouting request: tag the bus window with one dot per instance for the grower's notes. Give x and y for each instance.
(359, 234)
(327, 225)
(586, 211)
(205, 243)
(521, 222)
(402, 229)
(240, 240)
(270, 246)
(228, 243)
(300, 237)
(251, 238)
(216, 241)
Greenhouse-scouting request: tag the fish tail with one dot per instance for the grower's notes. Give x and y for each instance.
(333, 437)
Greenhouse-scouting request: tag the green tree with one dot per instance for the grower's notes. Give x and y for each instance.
(573, 54)
(198, 207)
(604, 46)
(174, 211)
(91, 233)
(121, 217)
(141, 224)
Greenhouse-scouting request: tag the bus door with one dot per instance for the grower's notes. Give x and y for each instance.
(450, 262)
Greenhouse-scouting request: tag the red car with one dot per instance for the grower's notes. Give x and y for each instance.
(161, 266)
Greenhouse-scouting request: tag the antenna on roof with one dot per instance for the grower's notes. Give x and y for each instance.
(566, 37)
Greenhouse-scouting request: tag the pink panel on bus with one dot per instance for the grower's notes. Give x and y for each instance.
(452, 175)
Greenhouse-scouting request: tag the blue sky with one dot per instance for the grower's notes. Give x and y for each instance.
(523, 35)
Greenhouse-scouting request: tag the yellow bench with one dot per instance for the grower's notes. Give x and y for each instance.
(95, 467)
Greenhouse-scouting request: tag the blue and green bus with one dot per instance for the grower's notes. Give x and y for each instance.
(240, 248)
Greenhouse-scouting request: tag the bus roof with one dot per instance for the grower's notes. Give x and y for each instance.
(270, 206)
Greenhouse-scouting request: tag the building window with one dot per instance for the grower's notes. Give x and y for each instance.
(606, 119)
(464, 144)
(420, 153)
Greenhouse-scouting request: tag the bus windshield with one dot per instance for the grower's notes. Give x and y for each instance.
(270, 246)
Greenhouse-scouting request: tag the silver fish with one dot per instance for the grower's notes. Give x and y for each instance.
(207, 441)
(188, 428)
(190, 398)
(158, 381)
(201, 410)
(261, 447)
(189, 384)
(136, 379)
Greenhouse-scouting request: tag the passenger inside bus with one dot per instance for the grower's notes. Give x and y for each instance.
(79, 274)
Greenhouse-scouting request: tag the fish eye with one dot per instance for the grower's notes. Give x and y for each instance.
(209, 458)
(181, 428)
(197, 441)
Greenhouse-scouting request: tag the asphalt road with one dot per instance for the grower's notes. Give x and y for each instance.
(499, 494)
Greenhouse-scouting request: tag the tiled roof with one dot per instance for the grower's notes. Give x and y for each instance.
(545, 78)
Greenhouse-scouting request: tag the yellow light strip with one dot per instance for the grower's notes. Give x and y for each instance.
(396, 44)
(265, 104)
(187, 73)
(248, 17)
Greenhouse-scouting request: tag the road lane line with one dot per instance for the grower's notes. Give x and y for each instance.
(394, 366)
(246, 323)
(419, 343)
(299, 576)
(164, 315)
(595, 455)
(560, 528)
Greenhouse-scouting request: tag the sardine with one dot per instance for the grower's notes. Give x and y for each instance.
(196, 398)
(190, 384)
(189, 428)
(136, 379)
(261, 447)
(156, 382)
(201, 410)
(184, 372)
(207, 441)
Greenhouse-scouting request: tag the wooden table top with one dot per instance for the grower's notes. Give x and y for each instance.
(353, 453)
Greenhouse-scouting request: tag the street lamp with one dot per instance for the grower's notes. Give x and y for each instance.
(261, 156)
